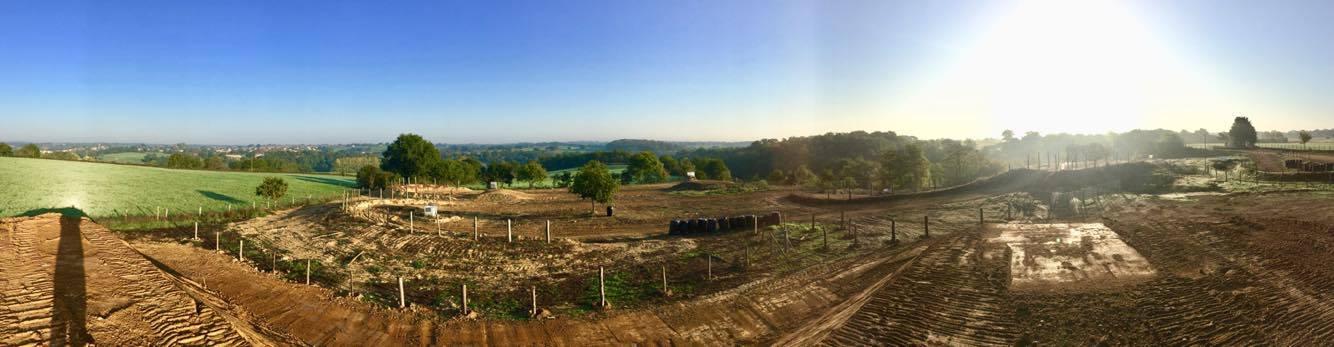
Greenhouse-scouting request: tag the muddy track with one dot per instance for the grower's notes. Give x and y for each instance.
(951, 295)
(1246, 281)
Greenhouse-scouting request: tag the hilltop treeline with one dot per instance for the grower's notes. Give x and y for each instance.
(1134, 144)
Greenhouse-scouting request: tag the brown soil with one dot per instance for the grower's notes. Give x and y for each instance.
(504, 195)
(1231, 269)
(67, 280)
(699, 185)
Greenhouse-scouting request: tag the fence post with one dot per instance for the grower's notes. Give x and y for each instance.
(602, 287)
(534, 291)
(240, 254)
(412, 229)
(509, 231)
(402, 300)
(217, 241)
(665, 290)
(710, 258)
(465, 298)
(980, 219)
(196, 230)
(307, 271)
(474, 228)
(548, 231)
(893, 231)
(926, 226)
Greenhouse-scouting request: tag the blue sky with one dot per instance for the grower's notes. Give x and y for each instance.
(228, 72)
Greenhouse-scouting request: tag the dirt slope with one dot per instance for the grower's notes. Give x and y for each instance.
(67, 280)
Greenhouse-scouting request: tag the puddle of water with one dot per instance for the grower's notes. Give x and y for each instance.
(1068, 253)
(1186, 196)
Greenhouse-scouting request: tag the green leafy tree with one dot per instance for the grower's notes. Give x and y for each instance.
(802, 175)
(594, 182)
(5, 150)
(1304, 137)
(501, 172)
(1242, 134)
(371, 177)
(564, 179)
(907, 168)
(273, 188)
(644, 167)
(776, 177)
(215, 162)
(532, 172)
(29, 151)
(184, 161)
(366, 177)
(409, 156)
(715, 169)
(673, 167)
(453, 172)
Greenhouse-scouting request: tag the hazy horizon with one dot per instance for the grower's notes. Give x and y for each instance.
(489, 73)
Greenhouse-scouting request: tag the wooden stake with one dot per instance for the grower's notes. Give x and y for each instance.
(240, 255)
(217, 241)
(548, 231)
(474, 228)
(602, 287)
(196, 230)
(893, 231)
(402, 300)
(307, 271)
(509, 231)
(664, 279)
(710, 258)
(411, 228)
(465, 298)
(533, 289)
(926, 226)
(980, 219)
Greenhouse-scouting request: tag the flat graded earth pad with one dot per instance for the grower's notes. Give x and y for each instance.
(1069, 256)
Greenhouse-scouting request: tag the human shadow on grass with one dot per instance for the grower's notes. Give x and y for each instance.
(326, 180)
(220, 197)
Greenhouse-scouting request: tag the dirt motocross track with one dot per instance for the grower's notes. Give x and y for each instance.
(69, 281)
(1123, 269)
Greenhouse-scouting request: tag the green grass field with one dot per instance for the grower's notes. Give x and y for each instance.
(110, 190)
(125, 157)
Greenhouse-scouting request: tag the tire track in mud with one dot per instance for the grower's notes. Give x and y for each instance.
(175, 318)
(26, 292)
(952, 295)
(1261, 282)
(171, 316)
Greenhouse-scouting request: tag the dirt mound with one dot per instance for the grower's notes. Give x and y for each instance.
(67, 280)
(700, 186)
(434, 189)
(504, 195)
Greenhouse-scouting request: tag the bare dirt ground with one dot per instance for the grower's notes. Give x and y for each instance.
(69, 281)
(999, 267)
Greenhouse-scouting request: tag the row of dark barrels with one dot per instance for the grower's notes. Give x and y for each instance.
(722, 224)
(1307, 165)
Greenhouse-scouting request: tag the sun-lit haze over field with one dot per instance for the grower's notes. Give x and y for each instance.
(463, 72)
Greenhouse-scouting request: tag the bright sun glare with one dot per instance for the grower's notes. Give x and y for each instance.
(1064, 66)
